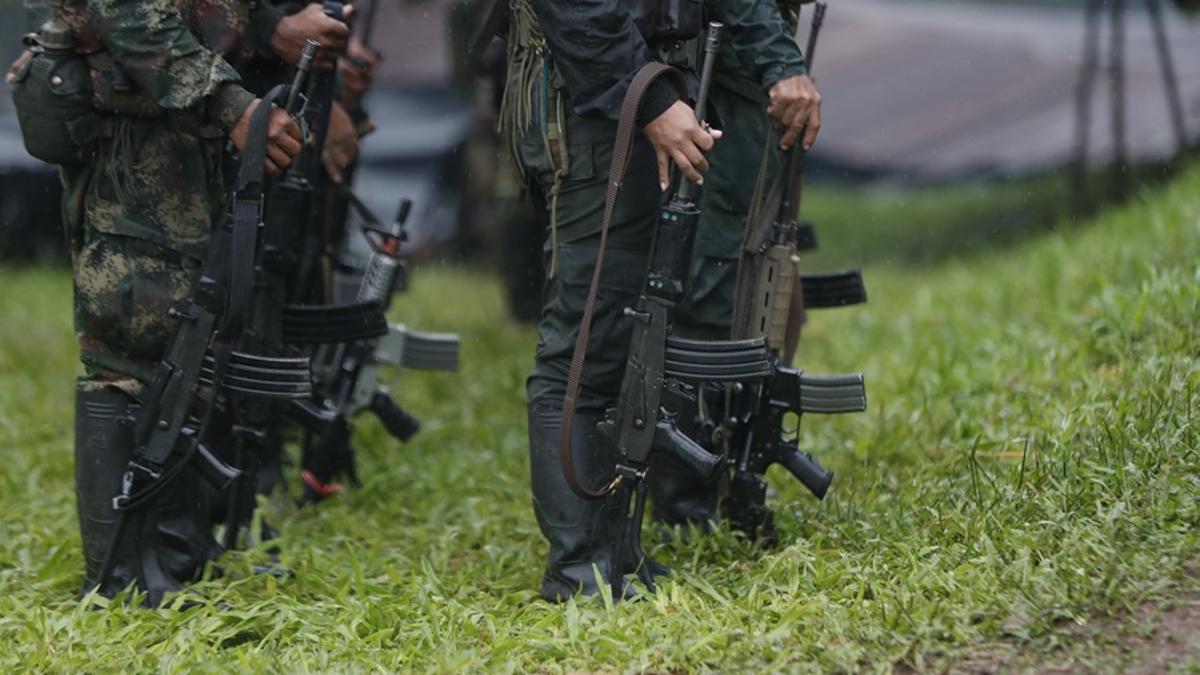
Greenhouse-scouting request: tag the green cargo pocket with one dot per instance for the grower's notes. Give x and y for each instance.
(562, 314)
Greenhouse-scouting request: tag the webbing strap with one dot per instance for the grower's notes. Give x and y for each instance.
(247, 200)
(626, 127)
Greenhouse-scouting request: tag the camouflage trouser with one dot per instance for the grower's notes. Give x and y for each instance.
(137, 220)
(571, 250)
(728, 190)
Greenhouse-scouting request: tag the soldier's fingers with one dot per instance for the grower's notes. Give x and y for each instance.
(685, 165)
(347, 11)
(271, 167)
(337, 31)
(789, 137)
(703, 139)
(277, 156)
(696, 157)
(331, 167)
(292, 128)
(664, 168)
(795, 129)
(287, 143)
(813, 128)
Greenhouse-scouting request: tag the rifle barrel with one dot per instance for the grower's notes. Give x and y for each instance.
(303, 68)
(712, 44)
(795, 156)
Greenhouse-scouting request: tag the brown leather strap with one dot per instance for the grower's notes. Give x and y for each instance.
(626, 127)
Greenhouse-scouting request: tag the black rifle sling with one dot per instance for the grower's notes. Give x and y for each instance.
(626, 127)
(247, 213)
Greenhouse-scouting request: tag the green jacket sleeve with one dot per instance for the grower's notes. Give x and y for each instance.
(758, 36)
(158, 51)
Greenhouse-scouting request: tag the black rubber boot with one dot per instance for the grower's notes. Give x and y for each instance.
(582, 534)
(678, 496)
(160, 547)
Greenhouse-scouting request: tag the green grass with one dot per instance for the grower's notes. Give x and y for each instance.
(1029, 463)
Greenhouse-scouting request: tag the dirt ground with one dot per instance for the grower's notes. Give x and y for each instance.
(1159, 637)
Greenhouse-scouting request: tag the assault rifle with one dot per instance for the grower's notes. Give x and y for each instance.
(347, 373)
(207, 358)
(272, 326)
(768, 308)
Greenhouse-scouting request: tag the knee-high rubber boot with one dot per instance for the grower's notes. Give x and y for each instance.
(679, 497)
(160, 547)
(582, 534)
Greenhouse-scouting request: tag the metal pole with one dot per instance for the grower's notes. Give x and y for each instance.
(1117, 75)
(1083, 98)
(1170, 81)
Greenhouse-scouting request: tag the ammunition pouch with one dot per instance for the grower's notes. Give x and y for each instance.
(52, 94)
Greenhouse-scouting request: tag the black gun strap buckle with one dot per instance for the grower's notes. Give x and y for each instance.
(838, 289)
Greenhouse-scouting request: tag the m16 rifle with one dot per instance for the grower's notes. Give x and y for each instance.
(347, 374)
(639, 426)
(770, 299)
(209, 358)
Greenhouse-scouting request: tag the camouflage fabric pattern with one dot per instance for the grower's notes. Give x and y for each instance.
(138, 221)
(176, 53)
(139, 214)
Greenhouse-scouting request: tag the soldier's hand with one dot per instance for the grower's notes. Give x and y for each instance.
(341, 143)
(796, 109)
(311, 23)
(11, 76)
(678, 137)
(284, 138)
(356, 70)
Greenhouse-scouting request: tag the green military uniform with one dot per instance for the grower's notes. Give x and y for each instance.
(569, 69)
(138, 214)
(742, 78)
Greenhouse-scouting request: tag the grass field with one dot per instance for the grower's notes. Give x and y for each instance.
(1026, 479)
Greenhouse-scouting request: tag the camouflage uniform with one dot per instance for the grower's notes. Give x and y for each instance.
(139, 214)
